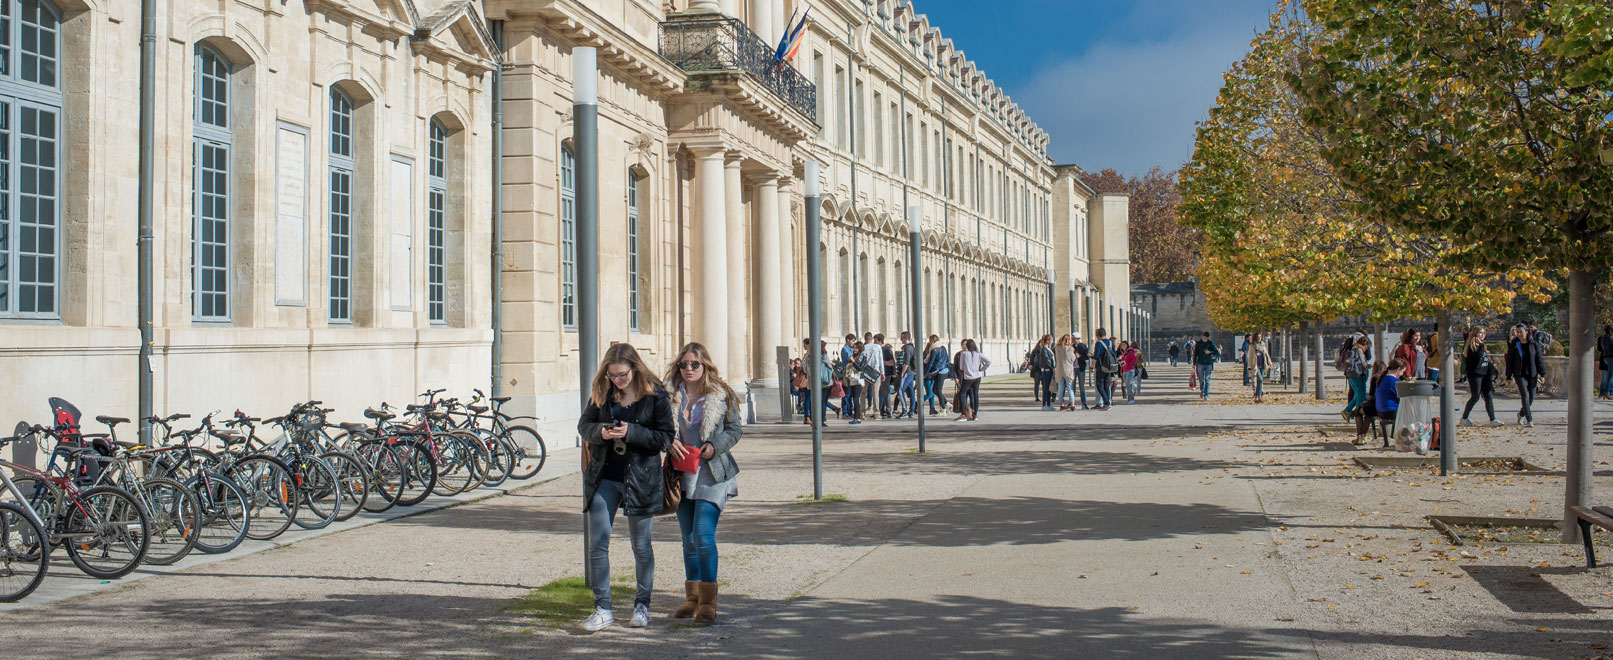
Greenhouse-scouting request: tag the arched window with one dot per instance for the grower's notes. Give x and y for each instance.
(633, 251)
(845, 293)
(568, 238)
(436, 222)
(341, 207)
(30, 160)
(862, 294)
(210, 189)
(884, 294)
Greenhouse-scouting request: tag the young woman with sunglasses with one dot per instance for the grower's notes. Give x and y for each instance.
(625, 427)
(708, 428)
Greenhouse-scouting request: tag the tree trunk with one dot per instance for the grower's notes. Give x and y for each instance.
(1321, 384)
(1447, 395)
(1378, 348)
(1304, 347)
(1581, 303)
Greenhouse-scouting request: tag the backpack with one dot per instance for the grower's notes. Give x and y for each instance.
(1343, 358)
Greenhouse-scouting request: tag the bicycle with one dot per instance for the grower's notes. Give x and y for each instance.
(222, 505)
(525, 463)
(22, 566)
(269, 491)
(103, 528)
(174, 510)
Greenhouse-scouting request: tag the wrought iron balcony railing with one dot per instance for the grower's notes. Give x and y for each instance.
(709, 45)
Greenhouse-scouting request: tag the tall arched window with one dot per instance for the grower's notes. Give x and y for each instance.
(341, 207)
(633, 251)
(862, 293)
(30, 160)
(210, 189)
(884, 294)
(845, 293)
(568, 238)
(436, 225)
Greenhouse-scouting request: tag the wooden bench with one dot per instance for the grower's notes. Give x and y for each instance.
(1600, 516)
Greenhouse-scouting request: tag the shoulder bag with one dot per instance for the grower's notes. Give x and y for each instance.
(671, 486)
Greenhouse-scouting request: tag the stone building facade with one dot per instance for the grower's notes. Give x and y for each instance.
(324, 197)
(320, 212)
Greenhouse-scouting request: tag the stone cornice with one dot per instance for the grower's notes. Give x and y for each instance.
(583, 27)
(376, 24)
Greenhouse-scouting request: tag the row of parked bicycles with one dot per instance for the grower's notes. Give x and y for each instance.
(113, 505)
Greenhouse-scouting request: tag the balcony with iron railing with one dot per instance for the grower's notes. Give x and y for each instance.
(720, 44)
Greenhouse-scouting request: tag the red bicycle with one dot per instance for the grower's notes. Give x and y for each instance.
(103, 528)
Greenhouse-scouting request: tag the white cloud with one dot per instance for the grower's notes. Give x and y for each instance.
(1132, 106)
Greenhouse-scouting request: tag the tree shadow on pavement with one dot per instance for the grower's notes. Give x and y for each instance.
(1069, 462)
(959, 626)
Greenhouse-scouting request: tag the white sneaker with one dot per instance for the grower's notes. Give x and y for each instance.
(1465, 422)
(1529, 423)
(1497, 422)
(641, 616)
(599, 620)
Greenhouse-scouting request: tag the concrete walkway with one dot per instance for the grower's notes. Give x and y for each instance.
(1168, 529)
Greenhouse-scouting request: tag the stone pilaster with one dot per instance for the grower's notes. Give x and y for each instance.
(710, 255)
(769, 318)
(737, 368)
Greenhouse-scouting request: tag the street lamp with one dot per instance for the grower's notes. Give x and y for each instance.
(913, 226)
(814, 228)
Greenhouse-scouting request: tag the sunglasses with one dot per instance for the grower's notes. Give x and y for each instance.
(692, 365)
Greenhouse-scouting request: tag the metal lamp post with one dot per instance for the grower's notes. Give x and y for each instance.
(913, 226)
(585, 135)
(814, 229)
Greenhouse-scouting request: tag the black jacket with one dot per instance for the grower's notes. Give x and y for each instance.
(1475, 364)
(650, 429)
(1524, 360)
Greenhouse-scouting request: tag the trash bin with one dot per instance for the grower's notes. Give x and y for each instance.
(1414, 423)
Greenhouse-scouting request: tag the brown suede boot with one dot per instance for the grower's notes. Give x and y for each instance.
(687, 609)
(706, 611)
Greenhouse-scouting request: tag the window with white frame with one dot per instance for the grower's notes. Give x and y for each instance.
(30, 160)
(341, 207)
(568, 238)
(210, 187)
(436, 222)
(633, 251)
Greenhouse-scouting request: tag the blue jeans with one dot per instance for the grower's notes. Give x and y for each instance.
(1067, 392)
(1607, 382)
(1045, 386)
(1081, 386)
(1358, 393)
(601, 515)
(697, 522)
(1105, 388)
(1204, 378)
(906, 397)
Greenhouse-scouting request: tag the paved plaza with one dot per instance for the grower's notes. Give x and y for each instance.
(1167, 529)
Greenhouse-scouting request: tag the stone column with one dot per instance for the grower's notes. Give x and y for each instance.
(728, 7)
(791, 335)
(762, 21)
(710, 255)
(737, 368)
(768, 315)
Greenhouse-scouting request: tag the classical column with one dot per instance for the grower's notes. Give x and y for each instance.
(762, 21)
(769, 316)
(704, 6)
(710, 300)
(786, 268)
(737, 368)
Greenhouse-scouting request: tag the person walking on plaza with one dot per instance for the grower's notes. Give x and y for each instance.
(1356, 369)
(853, 382)
(1105, 364)
(1526, 366)
(1541, 338)
(887, 385)
(1044, 365)
(1604, 359)
(823, 383)
(1083, 356)
(1256, 358)
(1480, 374)
(1205, 354)
(872, 364)
(1243, 358)
(625, 427)
(1064, 357)
(1192, 368)
(1175, 352)
(708, 428)
(1411, 350)
(1130, 371)
(970, 365)
(937, 369)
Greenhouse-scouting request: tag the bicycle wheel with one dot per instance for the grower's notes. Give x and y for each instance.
(108, 534)
(419, 473)
(352, 482)
(224, 512)
(480, 458)
(499, 455)
(22, 565)
(45, 499)
(176, 521)
(386, 472)
(316, 485)
(455, 466)
(270, 494)
(529, 451)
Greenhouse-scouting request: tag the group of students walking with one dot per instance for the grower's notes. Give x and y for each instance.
(648, 441)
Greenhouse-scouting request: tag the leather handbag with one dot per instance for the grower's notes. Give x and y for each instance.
(671, 486)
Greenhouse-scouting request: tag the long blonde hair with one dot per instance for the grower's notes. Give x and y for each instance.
(710, 380)
(1473, 340)
(643, 379)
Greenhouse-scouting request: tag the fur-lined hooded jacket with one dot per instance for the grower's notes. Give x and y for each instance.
(718, 428)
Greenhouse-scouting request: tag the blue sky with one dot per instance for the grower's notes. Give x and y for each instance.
(1117, 83)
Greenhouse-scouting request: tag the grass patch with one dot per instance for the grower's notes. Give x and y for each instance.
(566, 601)
(827, 497)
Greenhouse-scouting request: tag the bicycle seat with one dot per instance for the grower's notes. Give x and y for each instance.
(500, 399)
(354, 427)
(477, 409)
(94, 436)
(378, 414)
(110, 420)
(414, 408)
